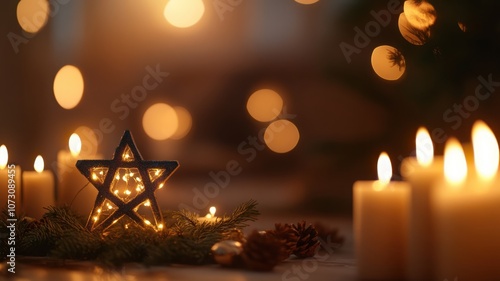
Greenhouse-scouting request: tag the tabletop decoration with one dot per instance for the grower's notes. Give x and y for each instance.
(125, 183)
(262, 251)
(308, 240)
(289, 237)
(62, 234)
(118, 232)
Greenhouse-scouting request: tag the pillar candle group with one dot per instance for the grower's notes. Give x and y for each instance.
(36, 190)
(441, 223)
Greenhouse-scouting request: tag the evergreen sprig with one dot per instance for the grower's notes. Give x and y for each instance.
(62, 234)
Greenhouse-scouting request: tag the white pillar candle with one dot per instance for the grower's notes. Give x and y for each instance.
(381, 225)
(421, 172)
(13, 187)
(468, 212)
(38, 190)
(70, 181)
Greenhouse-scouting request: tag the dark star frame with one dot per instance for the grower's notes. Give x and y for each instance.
(88, 167)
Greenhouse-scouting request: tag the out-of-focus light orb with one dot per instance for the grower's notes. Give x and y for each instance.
(264, 105)
(68, 86)
(184, 13)
(32, 15)
(388, 62)
(420, 15)
(160, 121)
(185, 122)
(306, 2)
(281, 136)
(413, 35)
(89, 141)
(462, 26)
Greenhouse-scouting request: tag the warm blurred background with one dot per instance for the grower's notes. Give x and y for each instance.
(340, 99)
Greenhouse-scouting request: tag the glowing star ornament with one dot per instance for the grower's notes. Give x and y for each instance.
(126, 184)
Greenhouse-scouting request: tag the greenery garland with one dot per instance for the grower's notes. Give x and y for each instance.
(61, 233)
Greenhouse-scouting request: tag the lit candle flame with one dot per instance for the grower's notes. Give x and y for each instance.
(39, 164)
(486, 154)
(384, 171)
(212, 210)
(455, 165)
(75, 144)
(4, 157)
(425, 149)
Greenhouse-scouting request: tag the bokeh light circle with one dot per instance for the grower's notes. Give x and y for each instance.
(420, 15)
(264, 105)
(89, 141)
(68, 86)
(306, 2)
(281, 136)
(411, 34)
(32, 15)
(185, 122)
(160, 121)
(184, 13)
(388, 62)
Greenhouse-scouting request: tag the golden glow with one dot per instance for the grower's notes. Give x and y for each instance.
(264, 105)
(281, 136)
(39, 165)
(384, 171)
(486, 154)
(75, 144)
(32, 15)
(147, 203)
(411, 34)
(4, 157)
(455, 165)
(388, 63)
(161, 185)
(462, 26)
(147, 222)
(306, 2)
(212, 210)
(68, 86)
(184, 13)
(88, 139)
(184, 124)
(425, 149)
(160, 226)
(420, 15)
(94, 177)
(160, 121)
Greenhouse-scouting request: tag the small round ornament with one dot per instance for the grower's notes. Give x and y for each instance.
(227, 252)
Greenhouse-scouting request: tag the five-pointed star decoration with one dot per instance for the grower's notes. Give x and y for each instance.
(125, 183)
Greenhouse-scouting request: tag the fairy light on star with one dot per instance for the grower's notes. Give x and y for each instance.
(126, 183)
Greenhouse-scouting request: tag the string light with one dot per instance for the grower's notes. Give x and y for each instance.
(120, 182)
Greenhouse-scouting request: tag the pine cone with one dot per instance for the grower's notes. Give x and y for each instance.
(288, 237)
(235, 234)
(329, 235)
(308, 240)
(262, 251)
